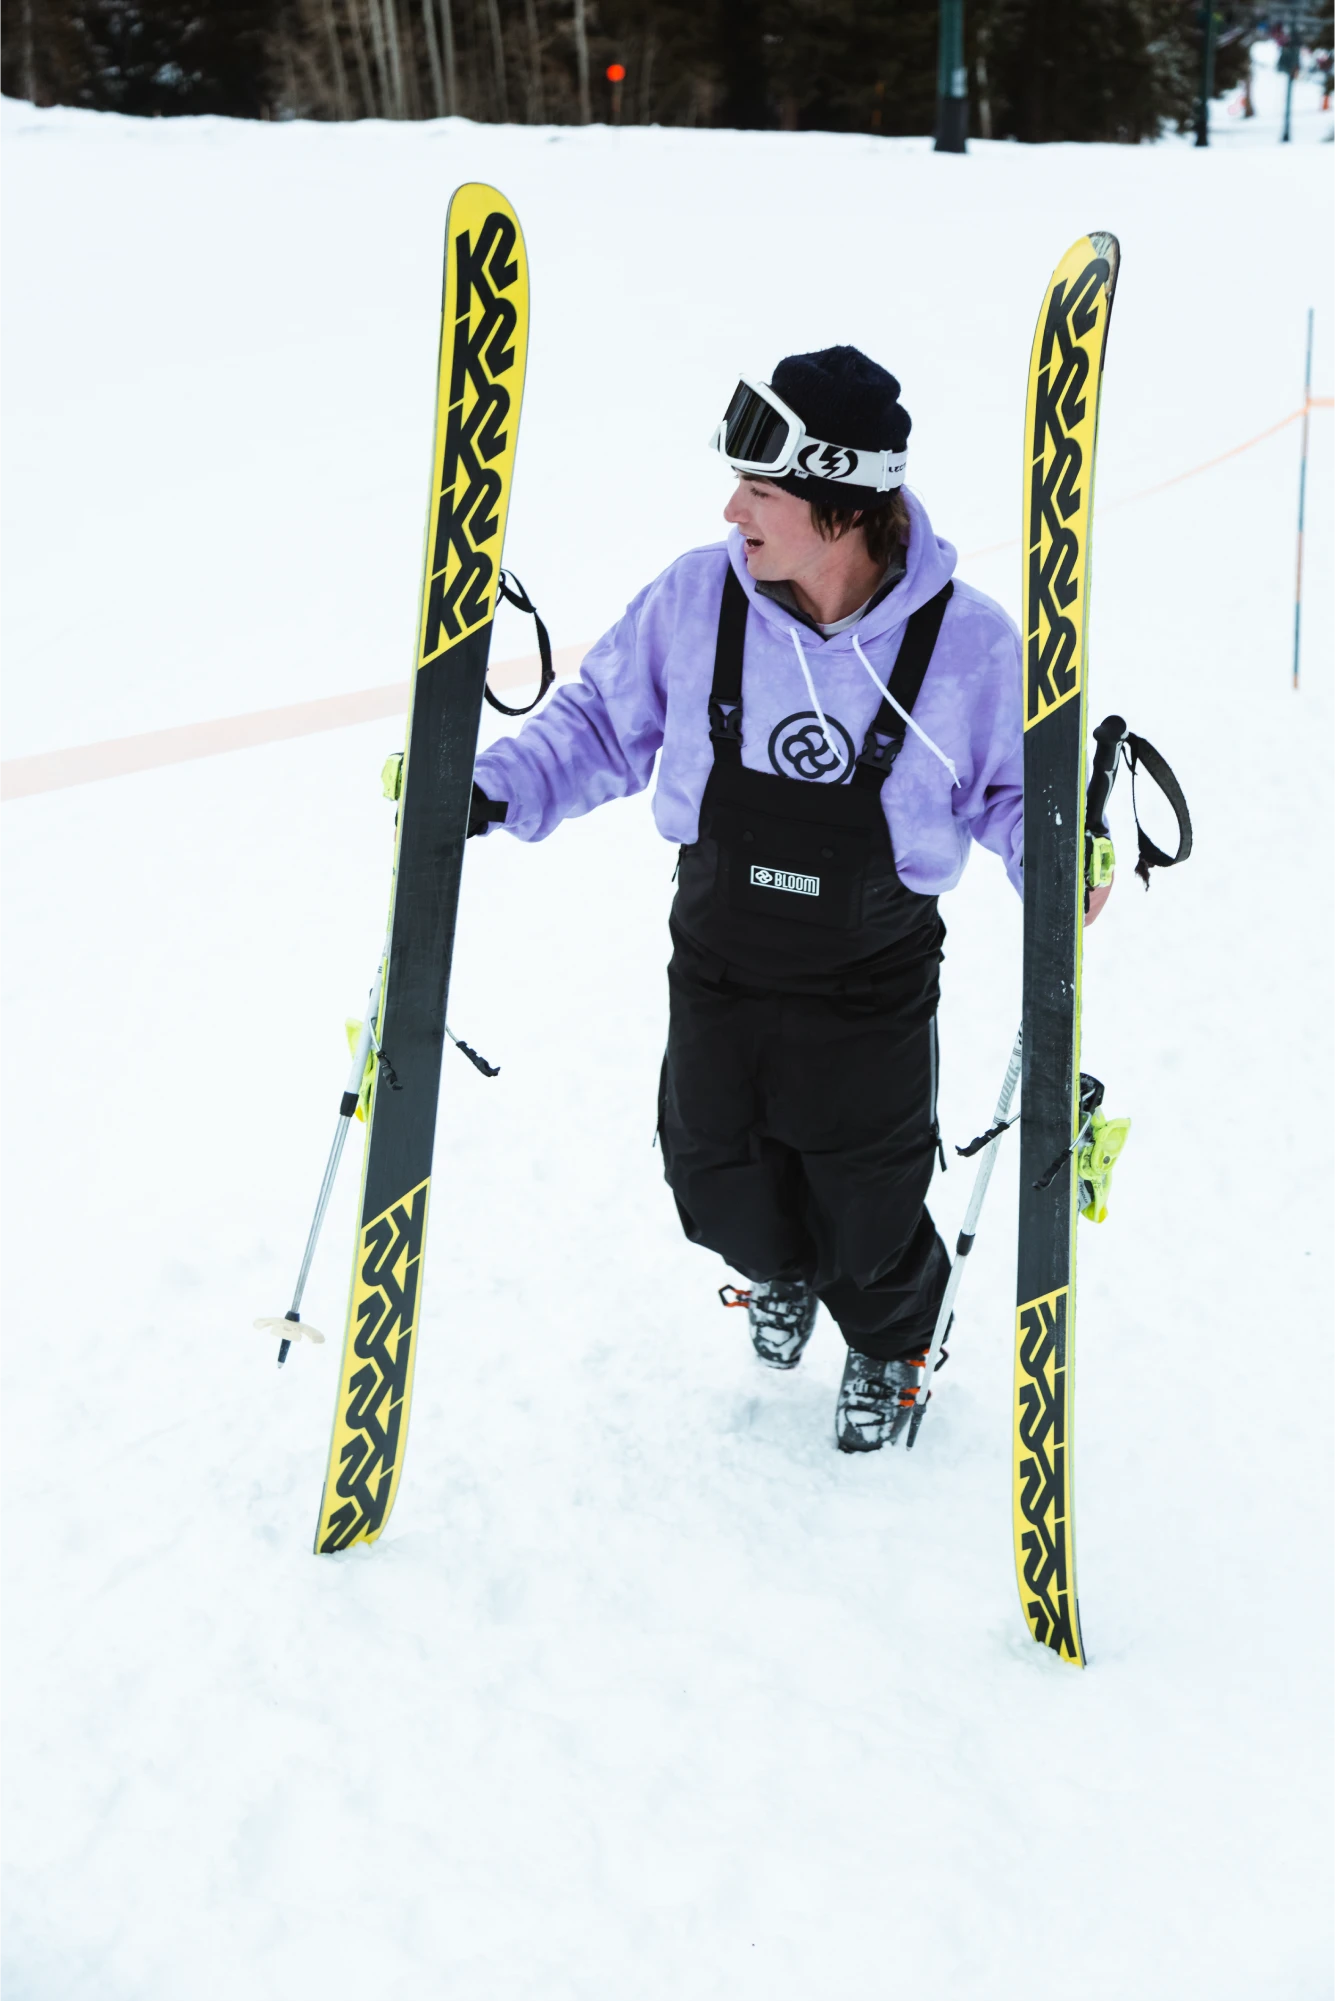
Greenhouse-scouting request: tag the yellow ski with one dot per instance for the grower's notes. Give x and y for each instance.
(483, 349)
(1061, 429)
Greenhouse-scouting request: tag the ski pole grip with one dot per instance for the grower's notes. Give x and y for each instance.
(1107, 746)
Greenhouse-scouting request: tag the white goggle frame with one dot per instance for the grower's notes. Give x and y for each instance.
(806, 457)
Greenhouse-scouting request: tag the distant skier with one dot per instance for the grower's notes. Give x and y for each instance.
(838, 721)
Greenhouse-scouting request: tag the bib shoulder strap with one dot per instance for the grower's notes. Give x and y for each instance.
(725, 697)
(885, 738)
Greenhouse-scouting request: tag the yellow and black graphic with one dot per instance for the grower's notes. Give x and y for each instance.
(484, 330)
(1061, 424)
(1044, 1524)
(365, 1454)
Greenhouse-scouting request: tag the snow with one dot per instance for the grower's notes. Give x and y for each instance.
(646, 1691)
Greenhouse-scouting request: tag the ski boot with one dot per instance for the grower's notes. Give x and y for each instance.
(876, 1400)
(782, 1313)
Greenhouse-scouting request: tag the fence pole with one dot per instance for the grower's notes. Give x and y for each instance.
(1302, 502)
(1290, 61)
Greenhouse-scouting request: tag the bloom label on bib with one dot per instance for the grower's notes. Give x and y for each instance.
(784, 879)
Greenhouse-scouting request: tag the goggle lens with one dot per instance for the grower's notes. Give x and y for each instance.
(753, 429)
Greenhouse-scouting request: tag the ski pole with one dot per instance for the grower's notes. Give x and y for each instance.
(986, 1147)
(292, 1322)
(1108, 739)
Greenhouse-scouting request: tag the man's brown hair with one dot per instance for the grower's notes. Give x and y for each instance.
(884, 527)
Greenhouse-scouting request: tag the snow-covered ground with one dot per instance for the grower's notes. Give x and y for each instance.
(646, 1691)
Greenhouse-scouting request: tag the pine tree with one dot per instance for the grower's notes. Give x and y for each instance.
(150, 57)
(1087, 69)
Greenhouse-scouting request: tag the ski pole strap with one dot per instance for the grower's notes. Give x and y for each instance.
(514, 594)
(1138, 753)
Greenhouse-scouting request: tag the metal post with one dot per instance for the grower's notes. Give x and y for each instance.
(1302, 500)
(616, 76)
(1290, 60)
(952, 81)
(1207, 73)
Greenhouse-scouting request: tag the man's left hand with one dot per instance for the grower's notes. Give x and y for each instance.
(1097, 899)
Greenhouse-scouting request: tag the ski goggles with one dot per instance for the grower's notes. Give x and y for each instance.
(760, 435)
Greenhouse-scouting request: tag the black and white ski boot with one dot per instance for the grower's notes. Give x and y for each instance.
(782, 1313)
(875, 1400)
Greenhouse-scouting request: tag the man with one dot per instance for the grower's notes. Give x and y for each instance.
(838, 720)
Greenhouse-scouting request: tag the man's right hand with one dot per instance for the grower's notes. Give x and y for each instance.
(482, 811)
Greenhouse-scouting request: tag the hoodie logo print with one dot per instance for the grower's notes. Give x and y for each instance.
(799, 748)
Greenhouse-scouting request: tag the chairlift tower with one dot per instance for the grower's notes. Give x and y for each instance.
(952, 81)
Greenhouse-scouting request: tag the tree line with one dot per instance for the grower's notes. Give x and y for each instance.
(1038, 70)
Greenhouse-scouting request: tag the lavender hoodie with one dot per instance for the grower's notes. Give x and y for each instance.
(644, 688)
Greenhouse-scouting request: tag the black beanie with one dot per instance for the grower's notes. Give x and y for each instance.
(843, 398)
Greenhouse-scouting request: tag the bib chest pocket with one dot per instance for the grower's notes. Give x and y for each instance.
(773, 866)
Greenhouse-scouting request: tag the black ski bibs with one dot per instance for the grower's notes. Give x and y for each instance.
(791, 881)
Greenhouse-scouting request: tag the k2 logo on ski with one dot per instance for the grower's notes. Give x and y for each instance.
(466, 534)
(1061, 447)
(384, 1310)
(1040, 1485)
(800, 749)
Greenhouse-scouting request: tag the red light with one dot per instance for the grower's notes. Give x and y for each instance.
(616, 72)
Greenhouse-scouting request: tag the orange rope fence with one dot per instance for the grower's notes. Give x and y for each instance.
(82, 764)
(1162, 486)
(52, 771)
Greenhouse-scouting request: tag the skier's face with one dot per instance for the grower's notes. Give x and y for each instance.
(781, 539)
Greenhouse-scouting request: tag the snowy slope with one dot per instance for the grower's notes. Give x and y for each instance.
(646, 1691)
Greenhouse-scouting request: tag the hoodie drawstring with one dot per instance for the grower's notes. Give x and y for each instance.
(898, 708)
(811, 691)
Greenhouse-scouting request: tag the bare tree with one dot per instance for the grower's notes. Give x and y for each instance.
(451, 67)
(582, 60)
(984, 91)
(647, 78)
(363, 64)
(393, 51)
(381, 57)
(416, 95)
(433, 56)
(336, 62)
(535, 106)
(29, 54)
(498, 59)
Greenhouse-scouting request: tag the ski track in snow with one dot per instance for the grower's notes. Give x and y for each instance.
(646, 1691)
